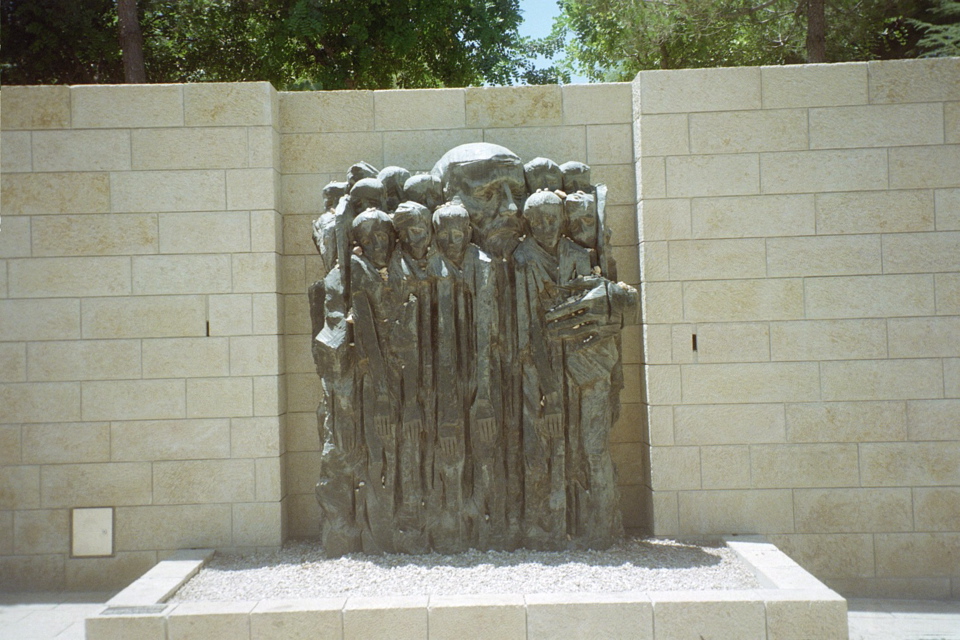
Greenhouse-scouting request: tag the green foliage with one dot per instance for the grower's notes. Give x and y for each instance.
(614, 39)
(316, 44)
(943, 38)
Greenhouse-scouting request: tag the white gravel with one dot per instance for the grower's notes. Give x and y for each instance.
(300, 570)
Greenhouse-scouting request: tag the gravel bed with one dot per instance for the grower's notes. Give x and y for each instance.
(300, 570)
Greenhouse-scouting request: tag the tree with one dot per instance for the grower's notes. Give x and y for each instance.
(319, 44)
(614, 39)
(942, 39)
(131, 42)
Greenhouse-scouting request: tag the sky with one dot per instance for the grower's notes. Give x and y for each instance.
(538, 18)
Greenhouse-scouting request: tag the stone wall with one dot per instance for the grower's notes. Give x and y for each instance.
(140, 335)
(803, 223)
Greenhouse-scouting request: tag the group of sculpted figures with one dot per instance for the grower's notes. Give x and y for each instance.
(467, 336)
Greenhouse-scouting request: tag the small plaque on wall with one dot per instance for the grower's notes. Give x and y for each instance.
(91, 532)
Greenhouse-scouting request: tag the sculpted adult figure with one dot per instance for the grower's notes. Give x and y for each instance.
(488, 181)
(393, 179)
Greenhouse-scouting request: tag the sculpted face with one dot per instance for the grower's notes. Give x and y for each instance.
(375, 234)
(412, 221)
(581, 210)
(367, 194)
(452, 231)
(544, 214)
(488, 181)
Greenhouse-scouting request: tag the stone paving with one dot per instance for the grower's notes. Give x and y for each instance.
(49, 616)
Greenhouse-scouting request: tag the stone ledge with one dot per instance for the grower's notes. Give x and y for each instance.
(790, 604)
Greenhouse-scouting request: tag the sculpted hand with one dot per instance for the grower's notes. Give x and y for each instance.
(412, 423)
(450, 435)
(486, 423)
(553, 425)
(580, 317)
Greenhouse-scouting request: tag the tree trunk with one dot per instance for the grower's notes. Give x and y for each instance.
(816, 32)
(131, 42)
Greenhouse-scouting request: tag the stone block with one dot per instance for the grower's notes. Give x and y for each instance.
(270, 485)
(922, 252)
(621, 219)
(122, 627)
(179, 274)
(6, 529)
(918, 555)
(802, 618)
(265, 231)
(255, 355)
(748, 131)
(621, 181)
(560, 144)
(253, 189)
(150, 191)
(297, 619)
(488, 107)
(85, 150)
(15, 236)
(606, 103)
(817, 171)
(257, 524)
(882, 379)
(69, 277)
(95, 485)
(824, 256)
(753, 216)
(652, 182)
(743, 300)
(736, 511)
(675, 468)
(399, 110)
(936, 509)
(329, 152)
(948, 209)
(418, 151)
(725, 467)
(931, 80)
(301, 471)
(846, 421)
(219, 397)
(609, 144)
(831, 554)
(664, 219)
(729, 342)
(210, 621)
(144, 317)
(13, 362)
(203, 481)
(472, 617)
(126, 106)
(803, 465)
(628, 264)
(662, 384)
(255, 272)
(759, 382)
(951, 378)
(718, 259)
(875, 212)
(173, 527)
(814, 85)
(15, 152)
(576, 615)
(267, 312)
(664, 135)
(385, 618)
(296, 314)
(951, 122)
(264, 147)
(87, 360)
(107, 574)
(111, 234)
(229, 104)
(10, 439)
(689, 90)
(27, 194)
(66, 442)
(889, 125)
(231, 315)
(302, 432)
(924, 337)
(925, 167)
(869, 296)
(133, 400)
(36, 107)
(828, 339)
(190, 148)
(713, 175)
(303, 515)
(214, 232)
(326, 111)
(151, 440)
(910, 464)
(40, 402)
(728, 424)
(19, 487)
(932, 419)
(662, 302)
(302, 193)
(686, 615)
(665, 514)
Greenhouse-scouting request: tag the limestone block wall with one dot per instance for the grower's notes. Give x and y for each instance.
(800, 243)
(323, 133)
(141, 352)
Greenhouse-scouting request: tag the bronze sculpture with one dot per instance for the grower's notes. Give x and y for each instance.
(469, 354)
